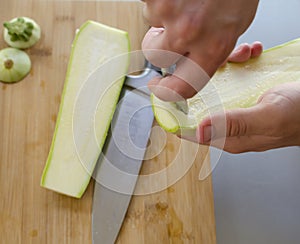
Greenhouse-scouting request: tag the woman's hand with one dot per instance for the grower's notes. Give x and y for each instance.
(197, 35)
(274, 122)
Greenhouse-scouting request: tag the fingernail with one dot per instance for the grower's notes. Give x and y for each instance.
(158, 31)
(204, 134)
(207, 133)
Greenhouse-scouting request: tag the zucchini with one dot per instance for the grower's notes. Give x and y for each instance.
(14, 65)
(21, 33)
(88, 102)
(237, 85)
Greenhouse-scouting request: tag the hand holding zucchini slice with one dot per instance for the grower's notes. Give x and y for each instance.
(237, 85)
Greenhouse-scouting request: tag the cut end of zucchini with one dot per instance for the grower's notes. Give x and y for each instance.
(172, 119)
(237, 85)
(14, 65)
(77, 142)
(21, 33)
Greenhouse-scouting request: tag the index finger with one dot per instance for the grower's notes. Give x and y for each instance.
(187, 79)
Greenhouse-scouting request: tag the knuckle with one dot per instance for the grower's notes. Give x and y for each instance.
(182, 88)
(236, 127)
(177, 44)
(178, 39)
(183, 33)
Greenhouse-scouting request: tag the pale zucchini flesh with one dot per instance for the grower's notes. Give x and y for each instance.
(237, 85)
(83, 119)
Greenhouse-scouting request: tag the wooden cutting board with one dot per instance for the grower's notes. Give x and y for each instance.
(182, 213)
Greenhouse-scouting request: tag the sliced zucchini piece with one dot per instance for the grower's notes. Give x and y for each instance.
(90, 94)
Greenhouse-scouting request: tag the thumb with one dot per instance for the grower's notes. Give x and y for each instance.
(234, 123)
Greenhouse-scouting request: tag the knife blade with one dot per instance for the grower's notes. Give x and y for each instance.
(119, 164)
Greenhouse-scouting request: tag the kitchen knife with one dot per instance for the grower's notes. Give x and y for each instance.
(119, 164)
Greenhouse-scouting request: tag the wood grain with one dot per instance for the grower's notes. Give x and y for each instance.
(182, 213)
